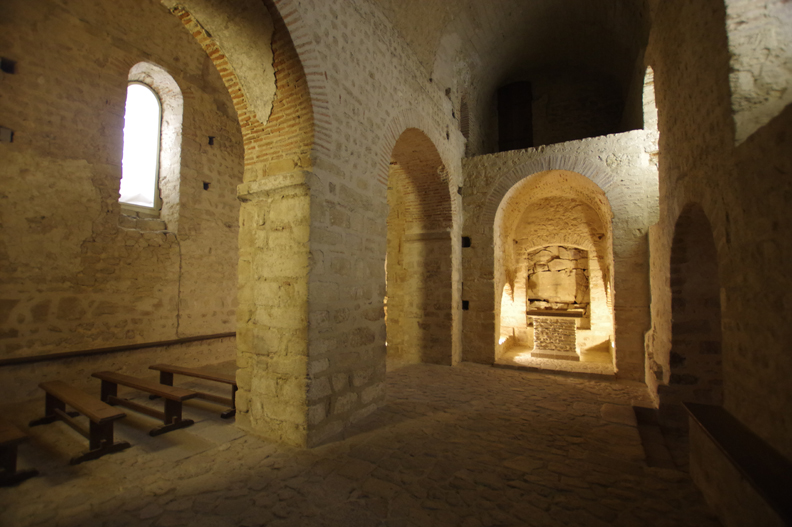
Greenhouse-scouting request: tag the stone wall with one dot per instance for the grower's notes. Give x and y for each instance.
(575, 281)
(76, 273)
(760, 49)
(574, 105)
(557, 278)
(742, 192)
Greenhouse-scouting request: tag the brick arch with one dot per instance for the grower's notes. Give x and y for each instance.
(286, 139)
(592, 170)
(419, 253)
(633, 208)
(417, 167)
(405, 120)
(313, 70)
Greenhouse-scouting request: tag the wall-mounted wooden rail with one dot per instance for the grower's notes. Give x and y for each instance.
(111, 349)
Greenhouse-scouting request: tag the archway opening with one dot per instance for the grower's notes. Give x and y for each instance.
(649, 101)
(695, 360)
(419, 271)
(553, 267)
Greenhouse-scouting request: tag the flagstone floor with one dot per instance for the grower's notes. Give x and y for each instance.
(465, 446)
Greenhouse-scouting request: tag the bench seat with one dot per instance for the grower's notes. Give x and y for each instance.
(174, 397)
(10, 437)
(167, 371)
(101, 417)
(725, 454)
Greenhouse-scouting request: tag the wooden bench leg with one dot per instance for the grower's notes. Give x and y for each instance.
(8, 462)
(100, 441)
(232, 412)
(8, 458)
(166, 378)
(109, 389)
(173, 418)
(52, 403)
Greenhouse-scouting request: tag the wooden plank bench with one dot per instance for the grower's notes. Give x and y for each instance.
(766, 470)
(174, 397)
(101, 416)
(167, 372)
(10, 437)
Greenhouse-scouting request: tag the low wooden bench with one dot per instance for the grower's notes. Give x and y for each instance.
(174, 397)
(766, 470)
(101, 416)
(167, 372)
(10, 437)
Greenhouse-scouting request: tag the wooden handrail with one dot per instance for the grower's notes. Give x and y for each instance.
(112, 349)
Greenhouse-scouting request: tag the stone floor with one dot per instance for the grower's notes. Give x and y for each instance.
(590, 363)
(466, 446)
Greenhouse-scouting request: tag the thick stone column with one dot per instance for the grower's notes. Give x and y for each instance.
(272, 321)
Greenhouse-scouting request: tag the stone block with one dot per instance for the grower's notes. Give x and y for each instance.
(345, 403)
(318, 388)
(340, 382)
(372, 393)
(317, 413)
(318, 366)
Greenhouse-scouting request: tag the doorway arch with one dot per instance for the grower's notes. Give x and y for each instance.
(419, 271)
(554, 227)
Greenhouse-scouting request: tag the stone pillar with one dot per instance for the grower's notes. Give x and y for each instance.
(555, 335)
(272, 320)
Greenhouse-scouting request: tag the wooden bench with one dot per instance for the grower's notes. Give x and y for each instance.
(766, 470)
(101, 416)
(166, 377)
(10, 437)
(174, 397)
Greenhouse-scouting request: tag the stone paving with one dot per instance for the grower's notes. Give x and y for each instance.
(590, 363)
(467, 446)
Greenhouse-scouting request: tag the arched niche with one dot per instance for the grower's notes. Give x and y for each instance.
(554, 227)
(419, 304)
(694, 365)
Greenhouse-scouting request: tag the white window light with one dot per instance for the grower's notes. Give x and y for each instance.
(140, 162)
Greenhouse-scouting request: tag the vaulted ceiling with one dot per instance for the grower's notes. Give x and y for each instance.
(487, 44)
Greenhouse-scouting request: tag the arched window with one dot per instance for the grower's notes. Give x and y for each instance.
(142, 131)
(151, 173)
